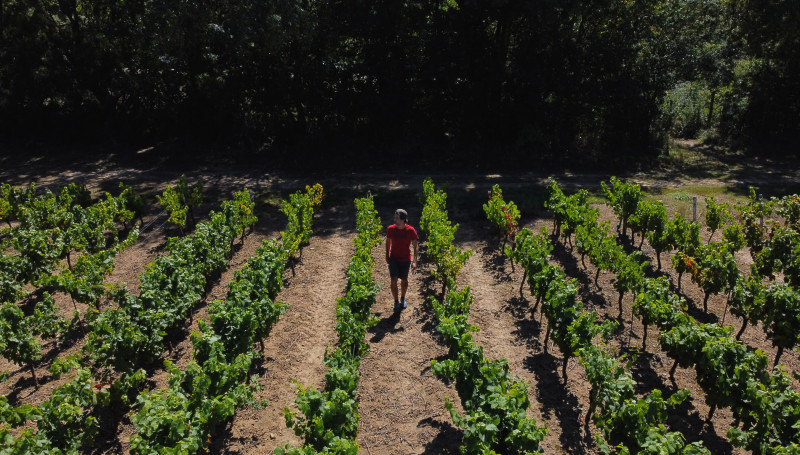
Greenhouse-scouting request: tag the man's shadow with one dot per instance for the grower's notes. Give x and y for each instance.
(386, 325)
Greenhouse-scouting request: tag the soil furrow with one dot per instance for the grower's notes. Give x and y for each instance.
(295, 349)
(401, 402)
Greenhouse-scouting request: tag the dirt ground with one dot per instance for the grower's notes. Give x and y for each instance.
(401, 401)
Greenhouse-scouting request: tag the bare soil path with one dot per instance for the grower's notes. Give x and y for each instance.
(296, 346)
(401, 402)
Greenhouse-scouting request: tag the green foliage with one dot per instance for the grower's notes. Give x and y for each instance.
(752, 215)
(440, 251)
(556, 203)
(733, 236)
(604, 252)
(329, 420)
(131, 205)
(63, 423)
(747, 299)
(494, 401)
(684, 235)
(300, 211)
(629, 271)
(187, 86)
(658, 233)
(250, 311)
(569, 212)
(200, 397)
(624, 198)
(132, 335)
(684, 109)
(770, 425)
(84, 281)
(714, 269)
(725, 369)
(183, 417)
(717, 215)
(782, 316)
(628, 423)
(789, 208)
(531, 252)
(180, 200)
(17, 341)
(503, 215)
(650, 217)
(655, 305)
(780, 253)
(16, 417)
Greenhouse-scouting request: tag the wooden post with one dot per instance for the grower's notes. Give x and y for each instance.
(694, 208)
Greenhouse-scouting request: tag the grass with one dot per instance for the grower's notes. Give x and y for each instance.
(681, 199)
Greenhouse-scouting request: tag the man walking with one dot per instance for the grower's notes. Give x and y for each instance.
(400, 240)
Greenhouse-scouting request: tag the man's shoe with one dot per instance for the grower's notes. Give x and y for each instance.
(403, 305)
(396, 306)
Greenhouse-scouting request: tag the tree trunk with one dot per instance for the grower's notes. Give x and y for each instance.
(596, 277)
(644, 337)
(261, 342)
(535, 306)
(680, 274)
(642, 241)
(672, 370)
(705, 302)
(741, 331)
(778, 356)
(725, 311)
(522, 285)
(564, 368)
(592, 404)
(658, 259)
(546, 338)
(582, 262)
(711, 108)
(33, 373)
(619, 303)
(711, 412)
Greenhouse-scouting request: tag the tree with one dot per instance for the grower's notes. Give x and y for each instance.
(624, 198)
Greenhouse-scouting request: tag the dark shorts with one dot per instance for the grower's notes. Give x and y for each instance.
(399, 269)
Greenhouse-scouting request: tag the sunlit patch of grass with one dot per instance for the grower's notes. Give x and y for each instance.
(680, 199)
(680, 156)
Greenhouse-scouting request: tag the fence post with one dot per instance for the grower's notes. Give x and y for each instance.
(694, 208)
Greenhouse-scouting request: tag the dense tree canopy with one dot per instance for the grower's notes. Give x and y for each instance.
(535, 79)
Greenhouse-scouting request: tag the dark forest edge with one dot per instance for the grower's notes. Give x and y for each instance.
(462, 83)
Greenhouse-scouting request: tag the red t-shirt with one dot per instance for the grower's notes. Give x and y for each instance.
(400, 242)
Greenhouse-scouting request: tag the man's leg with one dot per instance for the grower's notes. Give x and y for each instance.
(394, 289)
(403, 288)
